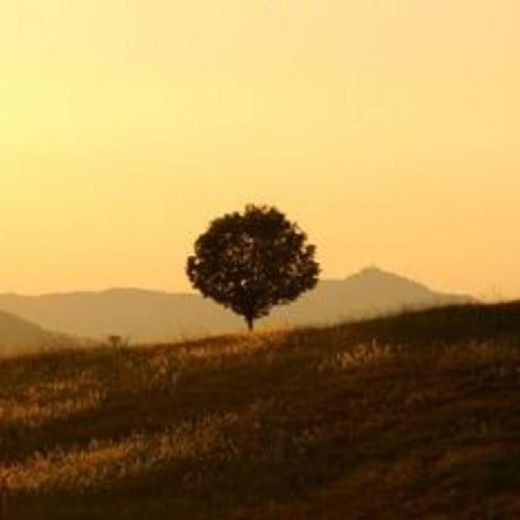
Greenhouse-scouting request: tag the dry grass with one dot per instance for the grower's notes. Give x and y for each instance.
(367, 420)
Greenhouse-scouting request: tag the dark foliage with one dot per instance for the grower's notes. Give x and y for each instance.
(252, 261)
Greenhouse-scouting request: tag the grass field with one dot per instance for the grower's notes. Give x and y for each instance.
(405, 417)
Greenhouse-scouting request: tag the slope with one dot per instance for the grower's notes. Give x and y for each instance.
(18, 336)
(415, 416)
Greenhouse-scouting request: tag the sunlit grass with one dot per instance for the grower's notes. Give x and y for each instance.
(313, 423)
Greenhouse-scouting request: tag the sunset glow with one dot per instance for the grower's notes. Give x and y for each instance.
(390, 129)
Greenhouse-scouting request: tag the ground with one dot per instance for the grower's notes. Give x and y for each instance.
(413, 416)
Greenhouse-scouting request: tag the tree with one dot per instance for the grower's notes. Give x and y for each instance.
(249, 262)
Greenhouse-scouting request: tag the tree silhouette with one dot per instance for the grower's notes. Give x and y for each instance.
(249, 262)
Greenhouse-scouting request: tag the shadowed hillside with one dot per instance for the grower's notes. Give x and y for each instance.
(415, 416)
(20, 336)
(155, 316)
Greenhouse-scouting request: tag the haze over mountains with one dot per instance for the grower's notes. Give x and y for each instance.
(21, 336)
(145, 315)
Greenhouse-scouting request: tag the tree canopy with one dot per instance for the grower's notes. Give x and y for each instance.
(251, 261)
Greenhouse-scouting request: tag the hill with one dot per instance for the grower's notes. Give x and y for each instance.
(156, 316)
(412, 416)
(370, 292)
(18, 336)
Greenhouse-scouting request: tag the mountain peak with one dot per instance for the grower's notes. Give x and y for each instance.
(372, 270)
(376, 274)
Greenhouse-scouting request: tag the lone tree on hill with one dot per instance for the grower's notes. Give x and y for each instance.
(249, 262)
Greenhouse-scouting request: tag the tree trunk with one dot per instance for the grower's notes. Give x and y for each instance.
(250, 323)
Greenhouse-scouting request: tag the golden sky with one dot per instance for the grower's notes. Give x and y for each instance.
(390, 129)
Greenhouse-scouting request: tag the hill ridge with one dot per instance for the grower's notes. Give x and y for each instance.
(18, 335)
(150, 315)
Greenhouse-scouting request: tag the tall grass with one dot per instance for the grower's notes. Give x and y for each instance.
(413, 416)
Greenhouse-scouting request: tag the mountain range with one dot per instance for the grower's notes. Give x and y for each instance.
(143, 315)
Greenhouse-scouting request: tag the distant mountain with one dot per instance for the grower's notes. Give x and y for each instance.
(368, 293)
(21, 336)
(138, 314)
(157, 316)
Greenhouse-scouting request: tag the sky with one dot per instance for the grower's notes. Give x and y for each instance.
(389, 129)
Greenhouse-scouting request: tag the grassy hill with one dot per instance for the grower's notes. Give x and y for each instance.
(413, 416)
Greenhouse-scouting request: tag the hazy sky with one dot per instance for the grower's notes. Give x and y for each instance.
(390, 129)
